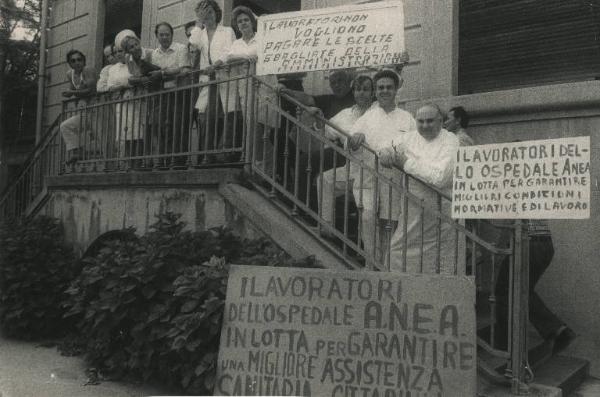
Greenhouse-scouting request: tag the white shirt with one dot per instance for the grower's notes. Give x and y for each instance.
(102, 84)
(345, 120)
(381, 128)
(432, 161)
(241, 49)
(217, 49)
(173, 57)
(118, 76)
(176, 56)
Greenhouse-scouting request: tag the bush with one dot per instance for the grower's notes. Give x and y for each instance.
(36, 266)
(152, 307)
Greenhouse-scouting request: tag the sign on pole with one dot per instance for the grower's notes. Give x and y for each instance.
(313, 332)
(331, 38)
(543, 179)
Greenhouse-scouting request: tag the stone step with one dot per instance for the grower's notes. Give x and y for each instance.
(274, 221)
(563, 372)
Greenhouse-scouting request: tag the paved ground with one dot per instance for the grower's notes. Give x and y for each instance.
(589, 388)
(28, 370)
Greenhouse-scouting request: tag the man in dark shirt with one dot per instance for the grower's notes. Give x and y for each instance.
(331, 104)
(342, 98)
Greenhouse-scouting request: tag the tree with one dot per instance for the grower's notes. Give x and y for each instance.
(19, 55)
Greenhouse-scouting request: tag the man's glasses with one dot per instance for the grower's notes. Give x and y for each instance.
(386, 87)
(73, 60)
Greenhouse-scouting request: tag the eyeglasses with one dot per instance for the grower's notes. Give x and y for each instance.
(386, 87)
(76, 60)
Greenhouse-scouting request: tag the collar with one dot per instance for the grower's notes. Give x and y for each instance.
(253, 39)
(169, 50)
(383, 110)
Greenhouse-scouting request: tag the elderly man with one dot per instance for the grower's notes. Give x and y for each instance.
(457, 122)
(382, 125)
(427, 154)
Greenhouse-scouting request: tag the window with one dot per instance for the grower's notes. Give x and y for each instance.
(507, 44)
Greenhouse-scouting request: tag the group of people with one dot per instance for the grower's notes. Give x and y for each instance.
(378, 135)
(362, 105)
(129, 65)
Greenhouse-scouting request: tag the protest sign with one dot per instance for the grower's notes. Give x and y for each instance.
(543, 179)
(314, 332)
(331, 38)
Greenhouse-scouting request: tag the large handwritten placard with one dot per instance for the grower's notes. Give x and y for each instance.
(544, 179)
(323, 333)
(331, 38)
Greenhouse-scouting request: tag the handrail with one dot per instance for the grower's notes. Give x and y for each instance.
(350, 155)
(416, 200)
(33, 154)
(159, 117)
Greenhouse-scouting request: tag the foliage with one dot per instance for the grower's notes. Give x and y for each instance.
(152, 307)
(19, 55)
(36, 267)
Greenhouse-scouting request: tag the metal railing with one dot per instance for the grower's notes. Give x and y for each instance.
(373, 217)
(384, 219)
(29, 186)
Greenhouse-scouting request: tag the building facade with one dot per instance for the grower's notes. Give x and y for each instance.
(523, 69)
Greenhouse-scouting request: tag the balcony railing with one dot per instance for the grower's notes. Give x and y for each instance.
(373, 217)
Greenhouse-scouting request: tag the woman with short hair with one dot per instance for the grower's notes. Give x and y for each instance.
(245, 48)
(82, 83)
(213, 41)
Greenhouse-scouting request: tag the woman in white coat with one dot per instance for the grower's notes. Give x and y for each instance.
(263, 103)
(213, 41)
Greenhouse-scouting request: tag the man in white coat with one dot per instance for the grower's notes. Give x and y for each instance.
(382, 125)
(428, 154)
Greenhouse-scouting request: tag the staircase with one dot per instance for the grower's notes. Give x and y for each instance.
(285, 201)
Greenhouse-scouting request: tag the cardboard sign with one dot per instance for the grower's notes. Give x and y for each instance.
(305, 332)
(331, 38)
(545, 179)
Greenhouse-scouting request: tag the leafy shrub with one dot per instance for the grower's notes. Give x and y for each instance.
(36, 266)
(152, 307)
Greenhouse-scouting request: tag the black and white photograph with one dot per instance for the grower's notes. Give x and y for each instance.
(337, 198)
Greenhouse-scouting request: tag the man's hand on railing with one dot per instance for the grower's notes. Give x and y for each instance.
(156, 74)
(317, 114)
(391, 157)
(356, 140)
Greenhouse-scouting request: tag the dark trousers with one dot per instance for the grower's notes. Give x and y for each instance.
(543, 319)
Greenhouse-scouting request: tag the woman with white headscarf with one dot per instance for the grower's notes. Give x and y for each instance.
(130, 114)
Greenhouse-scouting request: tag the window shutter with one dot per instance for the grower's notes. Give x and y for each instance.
(507, 44)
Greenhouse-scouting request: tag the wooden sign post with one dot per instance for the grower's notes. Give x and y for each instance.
(311, 332)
